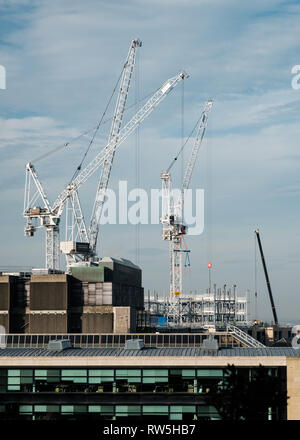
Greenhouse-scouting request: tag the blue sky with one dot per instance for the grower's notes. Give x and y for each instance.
(62, 60)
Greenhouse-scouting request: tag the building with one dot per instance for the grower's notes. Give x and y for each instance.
(99, 298)
(160, 384)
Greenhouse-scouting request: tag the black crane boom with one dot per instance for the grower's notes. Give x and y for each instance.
(267, 277)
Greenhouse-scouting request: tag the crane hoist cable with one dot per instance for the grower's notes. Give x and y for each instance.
(183, 146)
(98, 126)
(86, 132)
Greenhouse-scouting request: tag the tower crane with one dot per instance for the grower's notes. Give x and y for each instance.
(173, 214)
(82, 246)
(266, 276)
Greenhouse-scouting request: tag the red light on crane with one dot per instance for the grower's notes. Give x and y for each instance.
(209, 265)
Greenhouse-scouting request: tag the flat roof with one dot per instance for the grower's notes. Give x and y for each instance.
(150, 352)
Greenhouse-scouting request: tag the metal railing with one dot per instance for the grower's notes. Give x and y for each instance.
(244, 337)
(186, 340)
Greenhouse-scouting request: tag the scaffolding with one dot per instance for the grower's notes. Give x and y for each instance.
(217, 308)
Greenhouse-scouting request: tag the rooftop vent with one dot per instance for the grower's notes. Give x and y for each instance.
(134, 344)
(210, 344)
(59, 344)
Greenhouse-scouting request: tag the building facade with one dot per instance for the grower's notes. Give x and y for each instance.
(160, 383)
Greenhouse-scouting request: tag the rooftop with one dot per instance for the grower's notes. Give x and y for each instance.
(153, 352)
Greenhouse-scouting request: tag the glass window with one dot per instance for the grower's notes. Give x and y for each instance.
(25, 380)
(128, 373)
(101, 373)
(13, 387)
(13, 380)
(13, 373)
(41, 374)
(74, 373)
(80, 408)
(94, 408)
(158, 373)
(188, 373)
(100, 379)
(102, 409)
(25, 409)
(128, 410)
(2, 408)
(67, 409)
(155, 409)
(75, 376)
(26, 373)
(134, 379)
(53, 376)
(53, 372)
(209, 373)
(183, 408)
(53, 408)
(40, 408)
(155, 379)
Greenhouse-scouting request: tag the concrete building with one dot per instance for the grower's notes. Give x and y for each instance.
(102, 298)
(152, 383)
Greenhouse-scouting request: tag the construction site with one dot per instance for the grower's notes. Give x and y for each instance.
(106, 295)
(85, 339)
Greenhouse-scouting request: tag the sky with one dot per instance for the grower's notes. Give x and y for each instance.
(62, 61)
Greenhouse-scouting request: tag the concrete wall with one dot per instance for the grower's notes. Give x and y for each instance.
(121, 319)
(97, 319)
(293, 387)
(49, 292)
(48, 322)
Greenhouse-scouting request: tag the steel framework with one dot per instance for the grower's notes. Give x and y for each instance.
(220, 307)
(173, 219)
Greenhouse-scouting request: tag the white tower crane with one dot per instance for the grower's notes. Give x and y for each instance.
(173, 217)
(49, 217)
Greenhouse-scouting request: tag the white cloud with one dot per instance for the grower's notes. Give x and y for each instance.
(62, 62)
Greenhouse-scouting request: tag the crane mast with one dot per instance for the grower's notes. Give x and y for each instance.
(172, 215)
(49, 217)
(113, 141)
(89, 239)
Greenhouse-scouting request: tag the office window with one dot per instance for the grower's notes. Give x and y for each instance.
(128, 373)
(155, 376)
(74, 376)
(157, 373)
(100, 376)
(26, 373)
(40, 374)
(210, 373)
(46, 408)
(102, 373)
(80, 408)
(67, 409)
(13, 380)
(11, 373)
(179, 412)
(155, 409)
(207, 412)
(25, 409)
(101, 409)
(74, 373)
(128, 410)
(188, 373)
